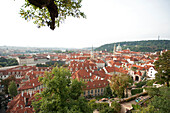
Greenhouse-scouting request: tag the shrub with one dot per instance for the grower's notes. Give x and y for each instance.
(150, 82)
(108, 110)
(140, 84)
(101, 106)
(116, 106)
(136, 91)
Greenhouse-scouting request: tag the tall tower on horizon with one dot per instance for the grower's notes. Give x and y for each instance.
(92, 54)
(158, 37)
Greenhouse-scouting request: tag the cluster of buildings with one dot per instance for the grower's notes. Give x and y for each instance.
(94, 68)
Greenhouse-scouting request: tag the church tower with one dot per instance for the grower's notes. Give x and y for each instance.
(92, 54)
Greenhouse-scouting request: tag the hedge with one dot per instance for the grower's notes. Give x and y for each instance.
(136, 91)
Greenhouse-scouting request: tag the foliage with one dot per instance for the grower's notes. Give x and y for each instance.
(108, 110)
(150, 82)
(8, 62)
(136, 106)
(92, 104)
(104, 107)
(141, 46)
(60, 94)
(116, 106)
(136, 91)
(119, 83)
(6, 82)
(41, 17)
(108, 92)
(76, 89)
(162, 66)
(160, 101)
(99, 106)
(140, 84)
(139, 109)
(12, 89)
(152, 91)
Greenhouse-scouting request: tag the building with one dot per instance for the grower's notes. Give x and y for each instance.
(25, 60)
(151, 73)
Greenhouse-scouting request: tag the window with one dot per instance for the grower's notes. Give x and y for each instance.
(84, 93)
(102, 90)
(91, 91)
(98, 90)
(95, 90)
(88, 92)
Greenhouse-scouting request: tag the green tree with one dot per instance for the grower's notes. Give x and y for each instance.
(7, 81)
(76, 89)
(41, 12)
(116, 106)
(108, 110)
(12, 89)
(150, 82)
(8, 62)
(161, 100)
(108, 91)
(159, 103)
(119, 83)
(58, 95)
(162, 66)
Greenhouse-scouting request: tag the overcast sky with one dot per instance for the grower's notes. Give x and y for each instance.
(107, 21)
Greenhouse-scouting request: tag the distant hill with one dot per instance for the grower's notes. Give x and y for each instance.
(143, 46)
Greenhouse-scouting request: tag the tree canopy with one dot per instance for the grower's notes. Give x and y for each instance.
(61, 94)
(162, 65)
(141, 46)
(158, 104)
(119, 83)
(42, 15)
(7, 81)
(12, 89)
(8, 62)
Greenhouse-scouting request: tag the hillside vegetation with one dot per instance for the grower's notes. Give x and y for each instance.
(142, 46)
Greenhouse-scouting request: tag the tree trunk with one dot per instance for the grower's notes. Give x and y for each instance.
(167, 82)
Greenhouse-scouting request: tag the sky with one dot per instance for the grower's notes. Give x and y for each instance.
(108, 21)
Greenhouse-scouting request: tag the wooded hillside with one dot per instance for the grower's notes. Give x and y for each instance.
(143, 46)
